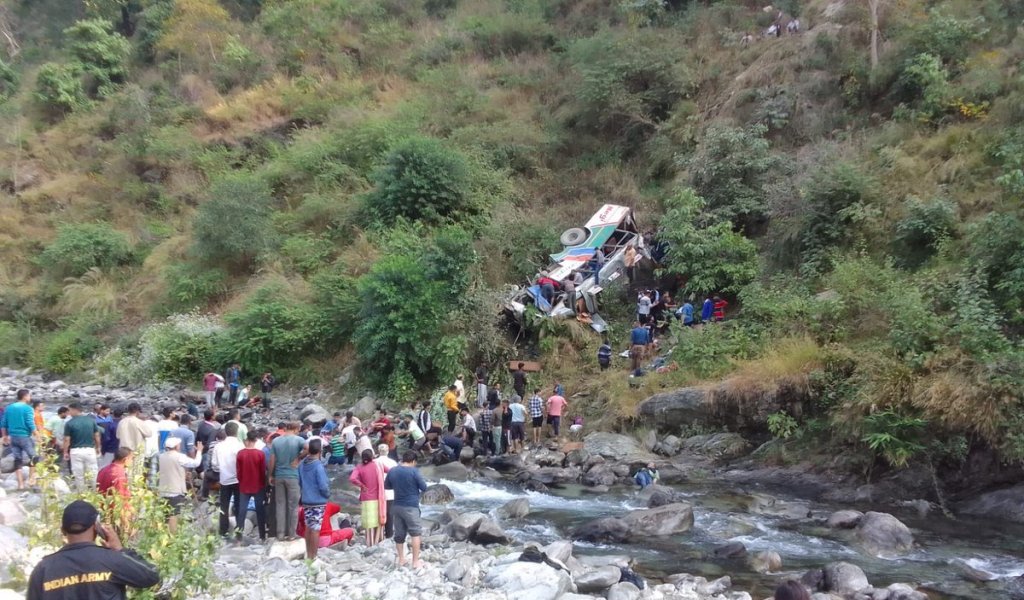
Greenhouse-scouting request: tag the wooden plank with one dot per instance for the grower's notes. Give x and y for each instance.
(530, 366)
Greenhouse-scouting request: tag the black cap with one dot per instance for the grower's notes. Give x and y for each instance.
(78, 516)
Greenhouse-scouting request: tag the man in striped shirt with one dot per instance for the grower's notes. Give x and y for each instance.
(484, 422)
(537, 414)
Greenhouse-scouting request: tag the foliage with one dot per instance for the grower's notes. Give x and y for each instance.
(183, 558)
(273, 330)
(59, 88)
(196, 32)
(782, 426)
(995, 247)
(711, 258)
(190, 285)
(83, 246)
(705, 352)
(730, 170)
(8, 80)
(101, 54)
(14, 340)
(924, 228)
(424, 181)
(66, 351)
(838, 200)
(895, 437)
(924, 84)
(181, 348)
(307, 253)
(945, 37)
(508, 34)
(94, 293)
(233, 226)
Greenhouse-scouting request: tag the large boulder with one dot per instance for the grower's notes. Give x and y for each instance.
(7, 464)
(365, 408)
(598, 580)
(606, 529)
(11, 512)
(12, 544)
(845, 578)
(506, 463)
(465, 525)
(1004, 505)
(528, 581)
(599, 475)
(731, 406)
(452, 471)
(438, 493)
(515, 509)
(488, 532)
(623, 591)
(883, 535)
(731, 550)
(315, 415)
(659, 495)
(560, 550)
(844, 519)
(287, 551)
(551, 475)
(766, 562)
(763, 504)
(548, 458)
(665, 520)
(718, 446)
(618, 448)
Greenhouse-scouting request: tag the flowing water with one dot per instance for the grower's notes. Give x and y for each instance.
(802, 544)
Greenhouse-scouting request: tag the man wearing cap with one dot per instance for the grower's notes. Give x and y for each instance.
(173, 486)
(81, 570)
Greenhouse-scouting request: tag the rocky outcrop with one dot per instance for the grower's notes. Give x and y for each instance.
(763, 504)
(844, 578)
(619, 449)
(607, 529)
(597, 580)
(528, 581)
(665, 520)
(882, 534)
(515, 509)
(437, 494)
(717, 446)
(1005, 505)
(844, 519)
(729, 405)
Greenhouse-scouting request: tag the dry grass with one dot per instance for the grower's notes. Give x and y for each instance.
(789, 360)
(94, 293)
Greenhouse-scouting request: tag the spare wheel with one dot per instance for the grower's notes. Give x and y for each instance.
(574, 236)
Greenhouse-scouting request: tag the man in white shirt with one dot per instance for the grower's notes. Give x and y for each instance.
(173, 485)
(224, 460)
(468, 427)
(460, 391)
(165, 426)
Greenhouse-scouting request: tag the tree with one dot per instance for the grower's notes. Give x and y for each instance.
(196, 31)
(59, 88)
(82, 246)
(873, 8)
(101, 53)
(713, 257)
(234, 226)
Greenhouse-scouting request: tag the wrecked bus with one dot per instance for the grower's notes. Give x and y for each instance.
(600, 247)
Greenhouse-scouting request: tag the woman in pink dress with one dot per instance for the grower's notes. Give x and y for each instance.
(369, 478)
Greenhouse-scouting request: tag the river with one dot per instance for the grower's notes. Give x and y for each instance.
(720, 517)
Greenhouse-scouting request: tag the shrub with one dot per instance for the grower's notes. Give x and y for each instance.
(274, 329)
(195, 31)
(151, 27)
(924, 84)
(439, 8)
(233, 226)
(66, 351)
(730, 170)
(711, 258)
(307, 253)
(424, 181)
(508, 34)
(995, 248)
(336, 302)
(920, 233)
(102, 54)
(14, 339)
(179, 349)
(80, 247)
(190, 286)
(837, 200)
(945, 37)
(59, 88)
(8, 81)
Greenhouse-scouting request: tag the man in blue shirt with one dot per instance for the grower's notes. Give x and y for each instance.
(639, 338)
(408, 484)
(17, 427)
(706, 310)
(685, 313)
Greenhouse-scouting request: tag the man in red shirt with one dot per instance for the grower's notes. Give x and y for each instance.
(251, 468)
(381, 423)
(112, 481)
(328, 535)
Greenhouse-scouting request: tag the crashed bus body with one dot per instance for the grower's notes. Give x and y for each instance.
(612, 230)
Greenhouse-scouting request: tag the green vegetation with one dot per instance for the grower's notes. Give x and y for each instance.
(317, 185)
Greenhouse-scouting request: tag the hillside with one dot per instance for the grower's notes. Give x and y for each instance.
(344, 189)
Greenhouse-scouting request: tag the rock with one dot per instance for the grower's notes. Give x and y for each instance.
(515, 509)
(489, 532)
(664, 520)
(467, 456)
(766, 562)
(462, 528)
(7, 464)
(971, 573)
(603, 560)
(1006, 505)
(763, 504)
(882, 534)
(731, 550)
(607, 529)
(844, 578)
(548, 458)
(288, 551)
(460, 569)
(365, 408)
(623, 591)
(12, 544)
(560, 550)
(599, 475)
(844, 519)
(506, 463)
(660, 495)
(552, 475)
(716, 587)
(438, 493)
(650, 440)
(814, 579)
(620, 449)
(902, 591)
(315, 415)
(528, 581)
(722, 405)
(448, 516)
(577, 457)
(11, 512)
(718, 446)
(453, 471)
(597, 580)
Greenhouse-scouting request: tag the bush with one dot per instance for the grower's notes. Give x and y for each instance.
(101, 53)
(422, 181)
(274, 329)
(995, 248)
(924, 84)
(730, 170)
(508, 34)
(59, 88)
(233, 226)
(336, 302)
(920, 233)
(837, 200)
(439, 8)
(8, 81)
(66, 351)
(14, 339)
(190, 286)
(82, 246)
(711, 258)
(178, 350)
(945, 37)
(307, 253)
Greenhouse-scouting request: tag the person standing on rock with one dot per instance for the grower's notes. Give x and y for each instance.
(173, 486)
(225, 461)
(83, 570)
(18, 427)
(556, 407)
(494, 397)
(218, 390)
(536, 415)
(518, 433)
(481, 384)
(56, 426)
(369, 478)
(104, 420)
(408, 484)
(210, 388)
(285, 452)
(82, 445)
(234, 379)
(505, 418)
(706, 310)
(251, 467)
(235, 416)
(267, 384)
(460, 391)
(314, 497)
(519, 380)
(184, 433)
(132, 431)
(451, 406)
(486, 430)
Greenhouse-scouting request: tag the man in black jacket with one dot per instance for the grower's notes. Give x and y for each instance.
(81, 570)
